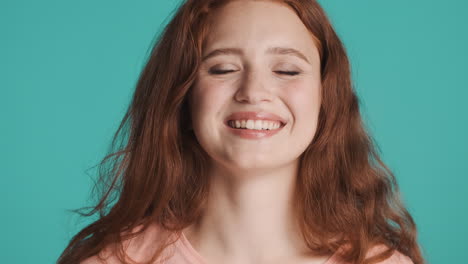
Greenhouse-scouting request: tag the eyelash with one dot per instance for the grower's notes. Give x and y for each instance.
(219, 72)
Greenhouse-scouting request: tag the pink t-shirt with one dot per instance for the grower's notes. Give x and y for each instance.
(182, 252)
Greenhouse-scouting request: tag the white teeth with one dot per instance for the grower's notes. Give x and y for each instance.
(258, 124)
(270, 125)
(250, 124)
(255, 124)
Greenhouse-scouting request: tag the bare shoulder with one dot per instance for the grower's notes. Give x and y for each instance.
(396, 258)
(95, 260)
(137, 249)
(104, 257)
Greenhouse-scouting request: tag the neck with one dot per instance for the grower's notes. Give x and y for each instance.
(249, 217)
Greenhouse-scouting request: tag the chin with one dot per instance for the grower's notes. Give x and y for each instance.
(251, 164)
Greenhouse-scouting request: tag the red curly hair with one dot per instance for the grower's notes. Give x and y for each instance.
(155, 172)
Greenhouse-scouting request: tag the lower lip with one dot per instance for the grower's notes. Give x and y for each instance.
(253, 133)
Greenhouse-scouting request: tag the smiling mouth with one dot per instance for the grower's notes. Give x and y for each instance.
(255, 124)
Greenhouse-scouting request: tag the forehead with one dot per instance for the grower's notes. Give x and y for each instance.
(258, 25)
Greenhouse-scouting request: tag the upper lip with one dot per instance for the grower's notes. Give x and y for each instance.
(255, 116)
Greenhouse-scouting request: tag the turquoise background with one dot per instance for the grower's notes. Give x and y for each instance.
(68, 69)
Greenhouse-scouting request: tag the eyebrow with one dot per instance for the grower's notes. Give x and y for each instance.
(271, 50)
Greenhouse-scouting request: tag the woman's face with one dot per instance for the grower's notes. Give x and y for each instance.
(259, 58)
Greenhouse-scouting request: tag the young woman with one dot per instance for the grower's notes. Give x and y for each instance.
(244, 144)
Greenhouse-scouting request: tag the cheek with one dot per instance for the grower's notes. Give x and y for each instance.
(304, 104)
(304, 100)
(207, 100)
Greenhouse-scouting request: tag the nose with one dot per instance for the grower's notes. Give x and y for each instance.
(252, 89)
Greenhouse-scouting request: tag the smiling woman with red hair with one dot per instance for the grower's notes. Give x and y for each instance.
(244, 144)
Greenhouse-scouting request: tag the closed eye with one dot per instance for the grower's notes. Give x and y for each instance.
(218, 72)
(292, 73)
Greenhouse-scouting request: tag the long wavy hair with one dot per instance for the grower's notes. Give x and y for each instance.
(155, 171)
